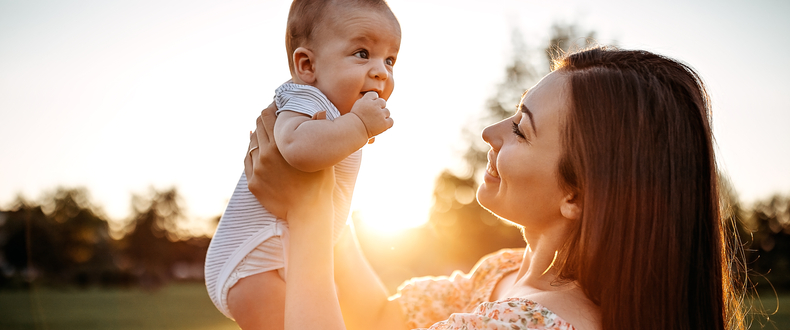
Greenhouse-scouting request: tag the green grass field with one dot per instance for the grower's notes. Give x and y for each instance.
(179, 306)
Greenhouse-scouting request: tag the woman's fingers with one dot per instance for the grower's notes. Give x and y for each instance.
(263, 135)
(268, 116)
(276, 184)
(253, 149)
(267, 147)
(319, 115)
(264, 128)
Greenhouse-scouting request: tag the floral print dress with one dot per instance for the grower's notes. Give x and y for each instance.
(461, 301)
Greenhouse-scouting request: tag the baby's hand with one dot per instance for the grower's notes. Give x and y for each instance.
(374, 114)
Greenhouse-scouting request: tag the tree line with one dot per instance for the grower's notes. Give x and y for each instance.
(65, 240)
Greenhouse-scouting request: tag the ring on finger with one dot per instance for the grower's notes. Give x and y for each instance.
(251, 150)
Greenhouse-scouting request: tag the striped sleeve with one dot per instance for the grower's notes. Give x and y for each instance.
(303, 99)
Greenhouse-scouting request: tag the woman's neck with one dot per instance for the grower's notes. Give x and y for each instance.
(537, 269)
(537, 281)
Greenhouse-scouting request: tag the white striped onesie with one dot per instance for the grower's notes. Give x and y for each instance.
(250, 240)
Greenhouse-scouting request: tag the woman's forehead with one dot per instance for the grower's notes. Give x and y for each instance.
(548, 95)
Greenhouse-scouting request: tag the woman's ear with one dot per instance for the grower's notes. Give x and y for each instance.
(571, 207)
(304, 65)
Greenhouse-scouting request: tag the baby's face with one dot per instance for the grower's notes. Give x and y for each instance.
(354, 52)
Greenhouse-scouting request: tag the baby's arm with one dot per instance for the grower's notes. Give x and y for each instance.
(312, 145)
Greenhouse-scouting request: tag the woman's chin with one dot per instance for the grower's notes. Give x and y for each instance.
(484, 196)
(487, 198)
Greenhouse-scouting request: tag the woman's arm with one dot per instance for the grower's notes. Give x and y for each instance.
(305, 199)
(363, 297)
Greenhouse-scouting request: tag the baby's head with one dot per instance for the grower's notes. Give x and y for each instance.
(344, 48)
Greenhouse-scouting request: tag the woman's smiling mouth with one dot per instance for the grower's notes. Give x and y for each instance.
(490, 168)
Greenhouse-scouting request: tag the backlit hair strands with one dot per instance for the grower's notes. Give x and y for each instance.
(649, 248)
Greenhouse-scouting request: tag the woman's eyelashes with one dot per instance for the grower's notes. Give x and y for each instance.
(517, 131)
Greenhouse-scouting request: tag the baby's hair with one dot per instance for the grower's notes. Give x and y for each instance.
(307, 15)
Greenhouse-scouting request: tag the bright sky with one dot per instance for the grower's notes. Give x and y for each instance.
(118, 96)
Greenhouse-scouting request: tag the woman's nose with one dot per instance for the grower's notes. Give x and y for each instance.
(493, 136)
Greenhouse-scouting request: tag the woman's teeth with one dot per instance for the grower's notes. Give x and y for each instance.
(491, 170)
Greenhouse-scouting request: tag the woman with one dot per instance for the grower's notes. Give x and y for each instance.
(608, 166)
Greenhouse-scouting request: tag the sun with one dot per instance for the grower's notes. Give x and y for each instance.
(388, 220)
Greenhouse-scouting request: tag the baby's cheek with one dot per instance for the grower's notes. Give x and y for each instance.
(390, 88)
(386, 94)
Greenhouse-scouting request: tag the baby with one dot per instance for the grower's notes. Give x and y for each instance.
(341, 55)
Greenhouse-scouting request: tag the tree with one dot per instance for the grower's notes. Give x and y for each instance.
(63, 240)
(29, 245)
(155, 250)
(85, 233)
(768, 251)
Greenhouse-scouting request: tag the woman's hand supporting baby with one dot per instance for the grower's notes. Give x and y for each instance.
(289, 190)
(305, 199)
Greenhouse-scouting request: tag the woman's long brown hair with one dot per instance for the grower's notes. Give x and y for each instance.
(638, 153)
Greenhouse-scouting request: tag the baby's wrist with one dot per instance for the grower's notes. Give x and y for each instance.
(364, 126)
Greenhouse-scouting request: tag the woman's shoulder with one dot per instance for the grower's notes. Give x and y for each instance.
(511, 313)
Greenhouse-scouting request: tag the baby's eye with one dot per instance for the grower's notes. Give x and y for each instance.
(390, 61)
(361, 53)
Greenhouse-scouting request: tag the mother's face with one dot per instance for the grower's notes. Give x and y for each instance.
(521, 182)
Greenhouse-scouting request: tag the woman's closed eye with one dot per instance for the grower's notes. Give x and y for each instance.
(517, 131)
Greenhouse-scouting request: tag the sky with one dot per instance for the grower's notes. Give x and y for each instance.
(122, 96)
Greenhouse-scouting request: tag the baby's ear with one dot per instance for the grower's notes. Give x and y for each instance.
(304, 65)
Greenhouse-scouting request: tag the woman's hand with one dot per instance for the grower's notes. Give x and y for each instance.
(305, 200)
(280, 188)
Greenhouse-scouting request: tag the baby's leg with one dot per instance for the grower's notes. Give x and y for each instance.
(258, 301)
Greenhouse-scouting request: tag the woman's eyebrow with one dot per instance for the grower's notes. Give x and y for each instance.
(524, 109)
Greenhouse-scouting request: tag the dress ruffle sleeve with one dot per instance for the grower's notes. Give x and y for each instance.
(508, 314)
(427, 300)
